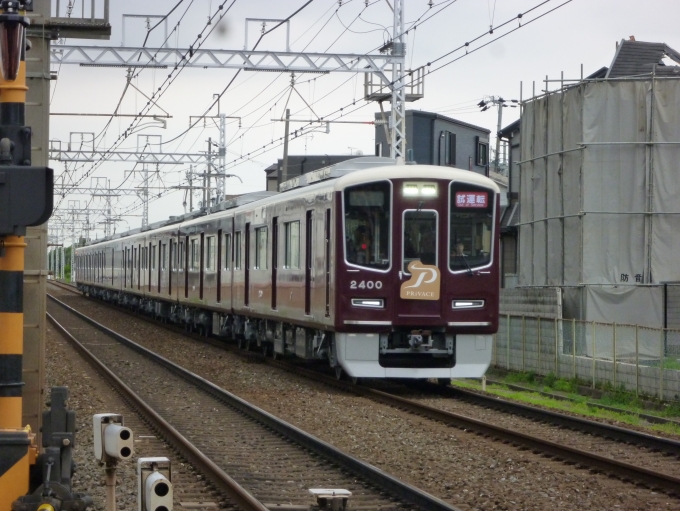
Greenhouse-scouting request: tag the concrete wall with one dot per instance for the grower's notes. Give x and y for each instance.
(545, 302)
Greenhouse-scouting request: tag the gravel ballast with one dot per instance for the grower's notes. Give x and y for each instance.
(462, 468)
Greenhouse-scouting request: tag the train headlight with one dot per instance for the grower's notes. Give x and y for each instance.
(371, 303)
(411, 190)
(416, 189)
(467, 304)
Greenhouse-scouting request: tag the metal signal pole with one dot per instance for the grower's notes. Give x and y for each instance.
(26, 196)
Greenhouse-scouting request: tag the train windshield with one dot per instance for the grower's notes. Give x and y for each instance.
(471, 226)
(420, 237)
(367, 224)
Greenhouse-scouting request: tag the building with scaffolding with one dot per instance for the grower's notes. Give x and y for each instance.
(598, 189)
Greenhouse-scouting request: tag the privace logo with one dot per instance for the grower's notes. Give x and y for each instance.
(423, 284)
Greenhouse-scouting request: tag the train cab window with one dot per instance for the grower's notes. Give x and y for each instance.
(261, 248)
(210, 253)
(292, 241)
(471, 226)
(227, 251)
(237, 250)
(193, 254)
(420, 237)
(367, 224)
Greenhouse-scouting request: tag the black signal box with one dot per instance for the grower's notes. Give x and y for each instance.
(25, 198)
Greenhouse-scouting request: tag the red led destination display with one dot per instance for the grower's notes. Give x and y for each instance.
(472, 199)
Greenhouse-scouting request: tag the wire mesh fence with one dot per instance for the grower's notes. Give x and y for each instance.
(609, 355)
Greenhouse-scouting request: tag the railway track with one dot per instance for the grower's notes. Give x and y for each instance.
(655, 462)
(258, 460)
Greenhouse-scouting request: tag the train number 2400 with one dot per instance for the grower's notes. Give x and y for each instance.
(365, 284)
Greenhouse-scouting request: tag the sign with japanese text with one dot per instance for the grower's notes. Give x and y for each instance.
(472, 199)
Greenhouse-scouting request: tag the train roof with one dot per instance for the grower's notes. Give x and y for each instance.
(336, 177)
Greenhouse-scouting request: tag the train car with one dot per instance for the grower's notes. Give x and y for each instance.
(382, 270)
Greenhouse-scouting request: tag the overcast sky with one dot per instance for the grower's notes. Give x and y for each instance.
(580, 32)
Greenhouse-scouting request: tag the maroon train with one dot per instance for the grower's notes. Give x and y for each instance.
(383, 270)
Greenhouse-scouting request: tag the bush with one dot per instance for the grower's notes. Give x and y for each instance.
(550, 379)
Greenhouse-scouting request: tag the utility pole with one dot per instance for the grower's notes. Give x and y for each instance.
(398, 117)
(222, 154)
(145, 195)
(208, 171)
(500, 103)
(284, 170)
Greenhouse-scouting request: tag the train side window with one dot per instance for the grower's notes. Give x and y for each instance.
(367, 210)
(292, 242)
(261, 248)
(237, 250)
(210, 253)
(180, 256)
(194, 254)
(164, 256)
(227, 251)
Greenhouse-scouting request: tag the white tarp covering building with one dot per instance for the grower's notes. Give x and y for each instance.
(600, 195)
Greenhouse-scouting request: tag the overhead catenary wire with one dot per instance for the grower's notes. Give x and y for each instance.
(340, 111)
(198, 41)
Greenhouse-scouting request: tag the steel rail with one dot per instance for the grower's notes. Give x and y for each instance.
(624, 470)
(628, 436)
(578, 456)
(370, 473)
(235, 491)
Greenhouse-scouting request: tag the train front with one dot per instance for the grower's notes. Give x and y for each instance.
(417, 275)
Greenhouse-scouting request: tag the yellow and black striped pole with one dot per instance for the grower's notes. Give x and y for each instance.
(14, 439)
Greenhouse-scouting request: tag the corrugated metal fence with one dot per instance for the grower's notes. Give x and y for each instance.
(639, 359)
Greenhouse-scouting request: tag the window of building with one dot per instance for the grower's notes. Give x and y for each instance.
(210, 253)
(292, 241)
(261, 248)
(237, 250)
(447, 149)
(482, 151)
(227, 251)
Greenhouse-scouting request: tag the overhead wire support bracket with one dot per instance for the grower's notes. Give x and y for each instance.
(248, 60)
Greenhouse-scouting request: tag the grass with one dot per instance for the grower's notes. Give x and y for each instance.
(626, 401)
(671, 363)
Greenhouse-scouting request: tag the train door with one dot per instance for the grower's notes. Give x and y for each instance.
(246, 297)
(327, 261)
(218, 266)
(308, 262)
(171, 267)
(138, 262)
(161, 261)
(148, 264)
(418, 295)
(201, 272)
(275, 257)
(186, 267)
